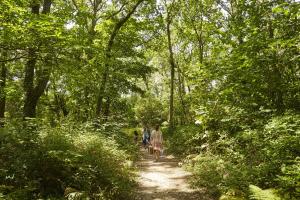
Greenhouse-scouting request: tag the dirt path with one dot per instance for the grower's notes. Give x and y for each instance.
(163, 180)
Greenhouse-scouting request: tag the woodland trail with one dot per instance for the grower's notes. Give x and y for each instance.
(164, 180)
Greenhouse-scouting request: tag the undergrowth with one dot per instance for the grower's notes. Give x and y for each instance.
(69, 161)
(226, 160)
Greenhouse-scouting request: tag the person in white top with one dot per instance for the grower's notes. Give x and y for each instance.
(157, 142)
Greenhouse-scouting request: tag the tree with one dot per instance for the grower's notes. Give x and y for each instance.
(3, 75)
(108, 55)
(34, 92)
(172, 66)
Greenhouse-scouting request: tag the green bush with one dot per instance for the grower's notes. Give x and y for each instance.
(289, 181)
(229, 160)
(123, 138)
(208, 172)
(219, 175)
(150, 111)
(259, 194)
(54, 161)
(184, 140)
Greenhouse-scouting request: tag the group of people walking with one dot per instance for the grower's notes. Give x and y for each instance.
(153, 140)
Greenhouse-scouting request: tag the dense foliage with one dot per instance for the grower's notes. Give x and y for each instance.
(222, 75)
(266, 156)
(238, 97)
(68, 160)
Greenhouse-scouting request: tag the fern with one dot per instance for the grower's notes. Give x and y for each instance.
(259, 194)
(76, 195)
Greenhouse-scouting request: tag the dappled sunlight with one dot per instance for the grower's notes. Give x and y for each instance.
(163, 179)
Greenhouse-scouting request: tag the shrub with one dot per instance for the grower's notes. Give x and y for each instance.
(208, 171)
(57, 159)
(228, 161)
(184, 140)
(289, 181)
(259, 194)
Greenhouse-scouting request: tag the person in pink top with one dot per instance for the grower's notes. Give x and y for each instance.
(157, 142)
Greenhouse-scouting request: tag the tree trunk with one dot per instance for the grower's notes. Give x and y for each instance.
(33, 93)
(172, 70)
(60, 104)
(107, 108)
(275, 82)
(200, 40)
(102, 87)
(2, 90)
(181, 91)
(29, 104)
(117, 27)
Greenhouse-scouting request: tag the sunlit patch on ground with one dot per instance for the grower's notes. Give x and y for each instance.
(163, 180)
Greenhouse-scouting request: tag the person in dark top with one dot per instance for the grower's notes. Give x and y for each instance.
(146, 136)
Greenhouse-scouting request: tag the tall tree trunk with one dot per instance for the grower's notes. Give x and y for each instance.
(33, 93)
(29, 105)
(172, 70)
(2, 90)
(275, 80)
(60, 102)
(101, 93)
(200, 38)
(107, 108)
(181, 90)
(108, 55)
